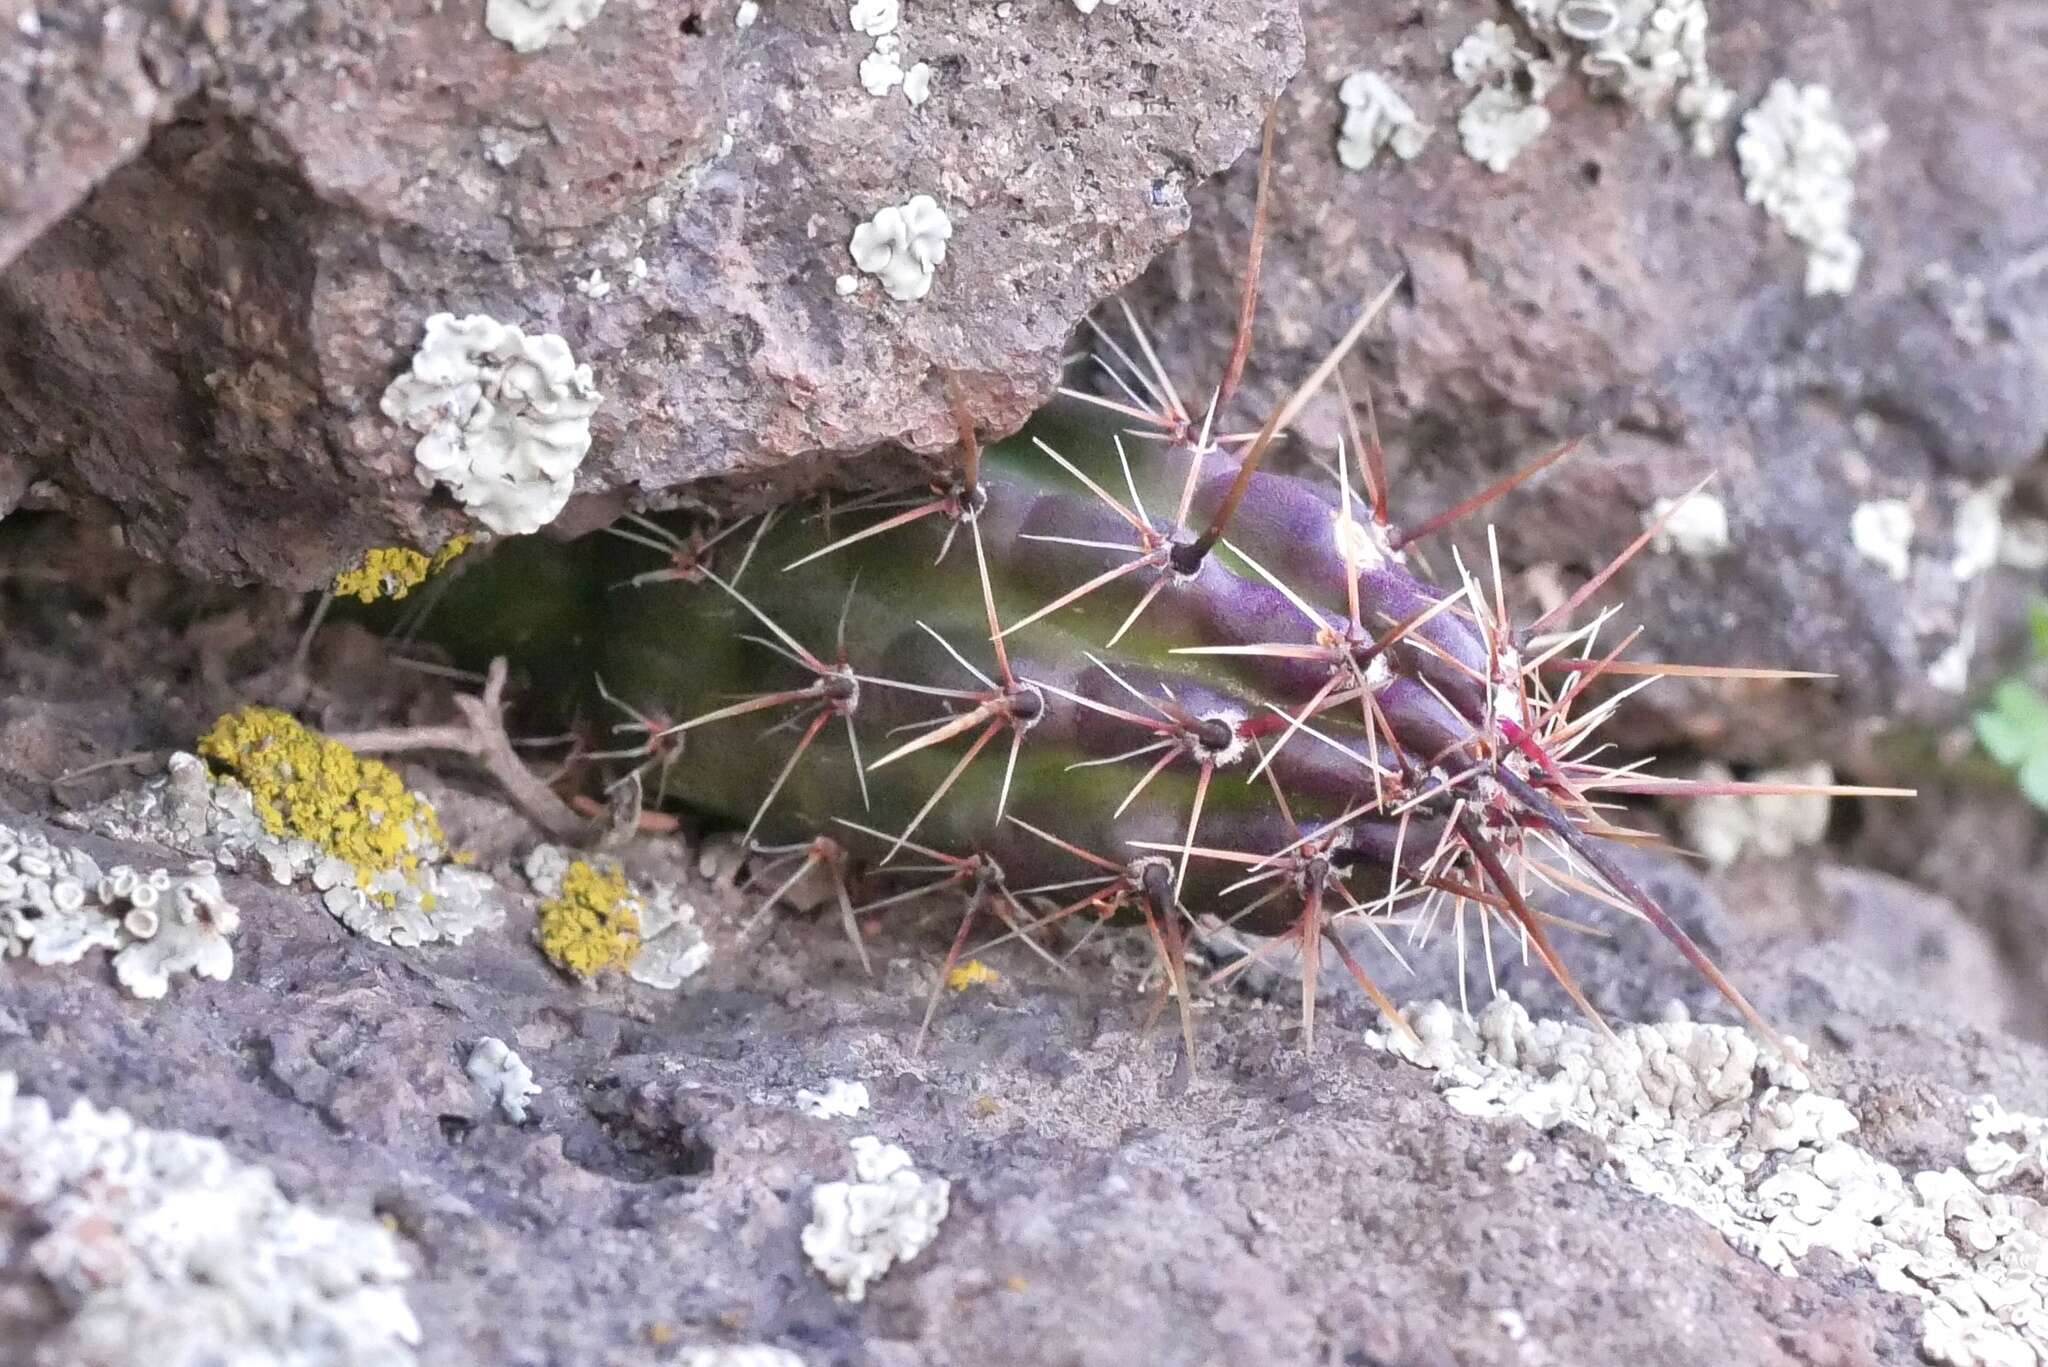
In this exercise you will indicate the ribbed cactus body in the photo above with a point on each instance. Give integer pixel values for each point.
(679, 650)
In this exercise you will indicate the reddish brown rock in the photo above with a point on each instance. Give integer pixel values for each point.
(199, 348)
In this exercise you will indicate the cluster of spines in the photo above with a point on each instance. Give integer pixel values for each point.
(1499, 832)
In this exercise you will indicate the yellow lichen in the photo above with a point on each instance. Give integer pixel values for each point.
(968, 974)
(592, 924)
(394, 571)
(303, 784)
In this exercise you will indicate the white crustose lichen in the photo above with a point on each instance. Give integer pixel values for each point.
(1376, 116)
(1697, 526)
(1799, 163)
(503, 418)
(1723, 827)
(1882, 532)
(887, 1215)
(163, 1248)
(1700, 1117)
(903, 246)
(528, 24)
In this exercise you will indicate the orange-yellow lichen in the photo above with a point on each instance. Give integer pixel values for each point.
(968, 974)
(592, 924)
(303, 784)
(394, 571)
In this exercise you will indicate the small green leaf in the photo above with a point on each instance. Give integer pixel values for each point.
(2034, 780)
(2015, 728)
(2037, 625)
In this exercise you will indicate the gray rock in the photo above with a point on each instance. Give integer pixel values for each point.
(1613, 283)
(198, 351)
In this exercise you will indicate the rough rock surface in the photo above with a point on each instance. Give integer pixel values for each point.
(1613, 283)
(198, 349)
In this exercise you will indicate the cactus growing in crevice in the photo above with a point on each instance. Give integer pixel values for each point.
(1146, 678)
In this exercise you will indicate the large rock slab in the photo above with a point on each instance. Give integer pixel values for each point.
(199, 349)
(1612, 283)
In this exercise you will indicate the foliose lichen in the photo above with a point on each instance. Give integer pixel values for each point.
(1773, 825)
(303, 784)
(371, 849)
(56, 906)
(887, 1215)
(1652, 54)
(1799, 163)
(503, 418)
(504, 1077)
(593, 918)
(904, 245)
(1376, 116)
(1697, 527)
(1702, 1118)
(592, 923)
(1882, 532)
(528, 24)
(167, 1251)
(838, 1100)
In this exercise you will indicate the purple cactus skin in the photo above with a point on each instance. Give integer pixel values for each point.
(1153, 681)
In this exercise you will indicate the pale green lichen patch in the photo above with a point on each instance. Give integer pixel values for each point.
(1702, 1118)
(160, 1247)
(56, 906)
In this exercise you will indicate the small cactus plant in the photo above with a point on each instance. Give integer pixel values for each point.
(1136, 678)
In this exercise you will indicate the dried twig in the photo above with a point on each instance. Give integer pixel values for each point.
(481, 735)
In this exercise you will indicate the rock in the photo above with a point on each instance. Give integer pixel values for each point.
(1612, 283)
(199, 350)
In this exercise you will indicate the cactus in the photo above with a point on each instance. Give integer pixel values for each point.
(1135, 677)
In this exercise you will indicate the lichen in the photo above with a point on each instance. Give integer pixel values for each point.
(1497, 125)
(56, 906)
(1700, 1117)
(839, 1100)
(1882, 532)
(503, 418)
(970, 974)
(301, 783)
(164, 1249)
(904, 245)
(592, 924)
(1723, 827)
(1651, 54)
(1376, 116)
(889, 1214)
(1697, 527)
(418, 898)
(528, 24)
(1799, 163)
(504, 1077)
(739, 1355)
(875, 18)
(391, 572)
(667, 944)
